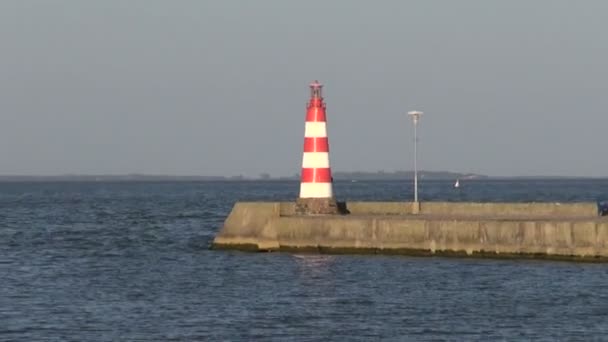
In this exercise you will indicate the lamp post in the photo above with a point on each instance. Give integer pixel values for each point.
(415, 117)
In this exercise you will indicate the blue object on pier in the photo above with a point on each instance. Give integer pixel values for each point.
(602, 208)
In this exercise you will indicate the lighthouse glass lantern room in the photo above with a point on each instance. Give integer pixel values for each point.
(316, 90)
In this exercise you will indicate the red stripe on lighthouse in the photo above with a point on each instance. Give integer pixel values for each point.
(315, 113)
(316, 144)
(316, 175)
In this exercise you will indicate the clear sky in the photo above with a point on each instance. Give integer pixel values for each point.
(200, 87)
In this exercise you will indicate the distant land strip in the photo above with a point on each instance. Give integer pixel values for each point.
(338, 176)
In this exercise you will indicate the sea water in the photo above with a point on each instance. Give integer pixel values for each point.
(131, 261)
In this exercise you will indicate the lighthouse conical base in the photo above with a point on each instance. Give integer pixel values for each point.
(317, 206)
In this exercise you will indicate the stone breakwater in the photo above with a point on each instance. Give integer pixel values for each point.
(570, 231)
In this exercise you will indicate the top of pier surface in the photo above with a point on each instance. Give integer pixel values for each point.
(463, 211)
(460, 217)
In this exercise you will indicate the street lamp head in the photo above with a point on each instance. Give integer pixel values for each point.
(415, 115)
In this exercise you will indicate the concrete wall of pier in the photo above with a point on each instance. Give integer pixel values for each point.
(482, 229)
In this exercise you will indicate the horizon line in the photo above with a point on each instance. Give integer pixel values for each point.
(266, 176)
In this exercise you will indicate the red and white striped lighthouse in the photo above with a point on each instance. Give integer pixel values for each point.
(316, 191)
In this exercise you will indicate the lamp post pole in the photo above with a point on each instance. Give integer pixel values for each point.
(415, 117)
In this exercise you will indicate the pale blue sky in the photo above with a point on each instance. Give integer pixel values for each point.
(219, 87)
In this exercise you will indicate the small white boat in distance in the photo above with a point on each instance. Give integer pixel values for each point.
(457, 184)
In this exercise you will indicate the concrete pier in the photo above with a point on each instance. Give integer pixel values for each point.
(569, 231)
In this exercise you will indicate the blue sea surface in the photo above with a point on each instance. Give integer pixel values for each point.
(131, 261)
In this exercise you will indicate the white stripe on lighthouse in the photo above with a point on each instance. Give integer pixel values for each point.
(316, 190)
(315, 130)
(315, 160)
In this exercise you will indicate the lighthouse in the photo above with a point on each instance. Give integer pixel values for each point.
(316, 189)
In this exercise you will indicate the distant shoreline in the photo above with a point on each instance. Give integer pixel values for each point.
(338, 176)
